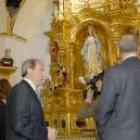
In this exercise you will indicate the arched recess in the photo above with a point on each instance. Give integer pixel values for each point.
(80, 32)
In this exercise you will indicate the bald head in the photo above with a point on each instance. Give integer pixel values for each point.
(128, 43)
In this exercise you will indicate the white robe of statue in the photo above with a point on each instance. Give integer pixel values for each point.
(91, 53)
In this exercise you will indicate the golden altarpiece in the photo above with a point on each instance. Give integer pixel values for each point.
(70, 20)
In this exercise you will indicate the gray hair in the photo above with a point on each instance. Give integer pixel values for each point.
(128, 43)
(30, 63)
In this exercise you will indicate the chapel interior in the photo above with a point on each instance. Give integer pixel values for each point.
(55, 31)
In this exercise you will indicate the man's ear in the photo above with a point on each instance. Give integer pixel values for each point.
(29, 70)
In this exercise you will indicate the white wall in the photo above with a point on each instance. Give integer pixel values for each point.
(32, 21)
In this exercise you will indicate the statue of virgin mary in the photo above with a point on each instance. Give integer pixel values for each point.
(91, 53)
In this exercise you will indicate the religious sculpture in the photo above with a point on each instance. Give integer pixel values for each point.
(57, 69)
(54, 50)
(128, 6)
(55, 9)
(91, 53)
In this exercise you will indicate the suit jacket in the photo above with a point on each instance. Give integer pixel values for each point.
(2, 120)
(24, 114)
(118, 114)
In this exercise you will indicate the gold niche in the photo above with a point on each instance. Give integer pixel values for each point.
(110, 19)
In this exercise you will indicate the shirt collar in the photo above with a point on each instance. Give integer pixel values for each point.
(30, 83)
(129, 55)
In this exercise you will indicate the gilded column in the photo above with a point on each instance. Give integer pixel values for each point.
(115, 36)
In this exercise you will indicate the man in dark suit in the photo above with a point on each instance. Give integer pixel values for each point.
(118, 114)
(24, 113)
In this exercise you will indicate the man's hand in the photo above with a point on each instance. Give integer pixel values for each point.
(52, 133)
(82, 80)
